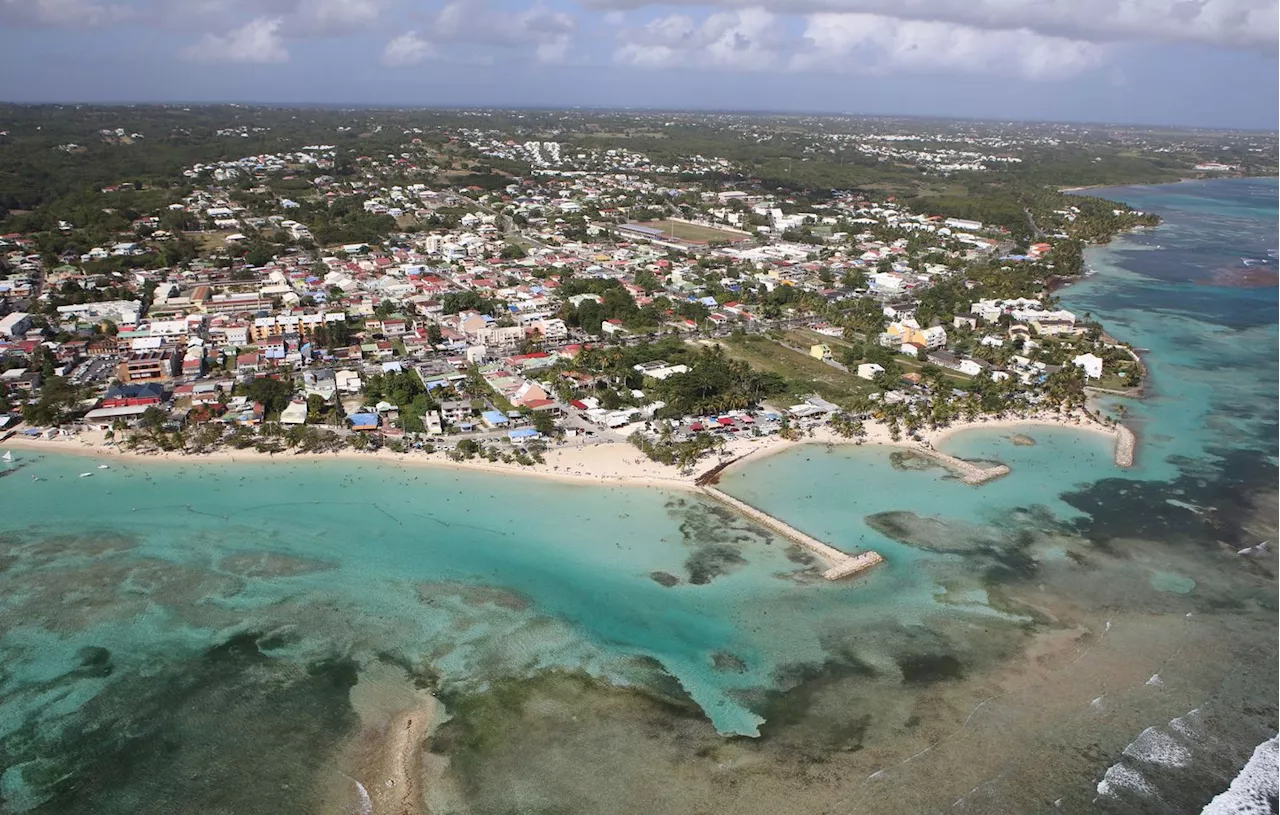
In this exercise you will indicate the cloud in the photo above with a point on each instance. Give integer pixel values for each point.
(868, 43)
(469, 21)
(1227, 23)
(546, 32)
(63, 13)
(323, 18)
(257, 41)
(747, 40)
(757, 40)
(299, 18)
(408, 49)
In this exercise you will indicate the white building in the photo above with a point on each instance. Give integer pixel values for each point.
(15, 325)
(120, 312)
(295, 413)
(1091, 364)
(347, 381)
(868, 370)
(935, 337)
(553, 331)
(504, 340)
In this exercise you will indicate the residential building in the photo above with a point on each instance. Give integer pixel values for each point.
(1090, 364)
(150, 393)
(148, 366)
(15, 325)
(501, 341)
(294, 413)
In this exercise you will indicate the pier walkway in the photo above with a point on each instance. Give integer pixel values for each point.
(841, 564)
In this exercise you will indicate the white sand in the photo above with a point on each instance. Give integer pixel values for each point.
(617, 462)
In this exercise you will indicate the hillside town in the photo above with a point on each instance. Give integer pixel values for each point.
(315, 299)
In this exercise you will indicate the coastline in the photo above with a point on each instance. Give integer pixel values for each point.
(1181, 180)
(613, 463)
(621, 464)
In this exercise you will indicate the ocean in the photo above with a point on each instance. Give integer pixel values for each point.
(195, 637)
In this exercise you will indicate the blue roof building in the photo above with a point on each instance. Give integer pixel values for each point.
(364, 421)
(495, 418)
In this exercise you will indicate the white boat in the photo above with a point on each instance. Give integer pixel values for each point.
(8, 455)
(85, 475)
(102, 466)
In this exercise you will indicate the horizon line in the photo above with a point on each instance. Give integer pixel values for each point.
(774, 112)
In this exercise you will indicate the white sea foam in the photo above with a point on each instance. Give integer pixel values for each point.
(1156, 747)
(366, 803)
(1188, 725)
(1253, 790)
(1119, 777)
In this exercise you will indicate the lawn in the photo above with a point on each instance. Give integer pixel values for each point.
(694, 233)
(210, 241)
(804, 338)
(805, 375)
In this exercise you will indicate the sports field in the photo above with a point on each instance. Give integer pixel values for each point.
(693, 233)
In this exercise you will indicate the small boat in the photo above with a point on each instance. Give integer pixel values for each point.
(102, 466)
(85, 475)
(8, 455)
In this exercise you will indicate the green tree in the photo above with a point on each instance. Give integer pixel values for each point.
(544, 422)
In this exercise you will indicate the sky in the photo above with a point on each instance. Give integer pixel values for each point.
(1200, 63)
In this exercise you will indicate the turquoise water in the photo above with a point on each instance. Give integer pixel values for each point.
(1205, 473)
(363, 539)
(168, 629)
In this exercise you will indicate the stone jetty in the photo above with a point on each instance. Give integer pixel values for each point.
(971, 473)
(841, 564)
(1126, 441)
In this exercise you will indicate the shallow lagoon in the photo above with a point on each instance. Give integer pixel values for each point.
(169, 630)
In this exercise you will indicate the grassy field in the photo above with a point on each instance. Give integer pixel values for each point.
(804, 338)
(694, 233)
(805, 375)
(209, 241)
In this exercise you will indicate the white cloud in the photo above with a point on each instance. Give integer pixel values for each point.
(333, 17)
(63, 13)
(469, 21)
(757, 40)
(547, 33)
(408, 49)
(299, 18)
(1226, 23)
(257, 41)
(852, 43)
(746, 40)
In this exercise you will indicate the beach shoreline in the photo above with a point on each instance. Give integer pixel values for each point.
(621, 464)
(614, 463)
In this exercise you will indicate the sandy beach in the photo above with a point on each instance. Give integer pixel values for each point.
(600, 463)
